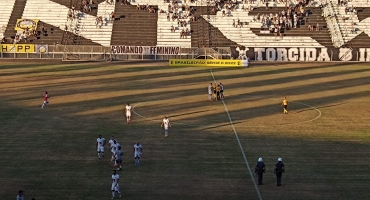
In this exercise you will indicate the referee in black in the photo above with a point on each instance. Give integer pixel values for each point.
(278, 170)
(259, 169)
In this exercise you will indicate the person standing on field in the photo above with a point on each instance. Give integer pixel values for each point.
(166, 124)
(111, 145)
(285, 105)
(259, 169)
(20, 195)
(215, 91)
(218, 94)
(210, 88)
(221, 91)
(118, 157)
(100, 142)
(138, 150)
(115, 184)
(128, 113)
(278, 170)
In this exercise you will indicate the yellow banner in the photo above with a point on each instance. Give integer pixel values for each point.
(17, 48)
(22, 24)
(206, 63)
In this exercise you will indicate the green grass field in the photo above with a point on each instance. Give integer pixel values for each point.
(50, 153)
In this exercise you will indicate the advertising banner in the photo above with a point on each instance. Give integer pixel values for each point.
(42, 48)
(145, 50)
(17, 48)
(208, 63)
(30, 24)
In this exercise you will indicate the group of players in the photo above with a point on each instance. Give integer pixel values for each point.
(215, 91)
(116, 157)
(117, 153)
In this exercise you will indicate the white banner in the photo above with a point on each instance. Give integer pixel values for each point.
(145, 50)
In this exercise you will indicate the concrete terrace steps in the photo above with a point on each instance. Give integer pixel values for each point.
(16, 14)
(67, 3)
(134, 27)
(87, 27)
(322, 36)
(6, 9)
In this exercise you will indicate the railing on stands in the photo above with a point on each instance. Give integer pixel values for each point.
(90, 53)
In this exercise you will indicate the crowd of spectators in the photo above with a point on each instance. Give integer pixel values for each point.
(183, 14)
(29, 34)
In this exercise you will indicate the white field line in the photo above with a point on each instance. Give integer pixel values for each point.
(240, 144)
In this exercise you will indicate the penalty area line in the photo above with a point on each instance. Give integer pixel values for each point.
(240, 144)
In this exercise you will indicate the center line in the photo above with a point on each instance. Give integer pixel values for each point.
(240, 144)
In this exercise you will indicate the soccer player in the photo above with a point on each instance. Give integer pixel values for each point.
(210, 87)
(20, 195)
(138, 150)
(100, 142)
(115, 184)
(128, 113)
(221, 91)
(218, 96)
(285, 105)
(118, 155)
(111, 142)
(46, 97)
(166, 124)
(114, 148)
(214, 91)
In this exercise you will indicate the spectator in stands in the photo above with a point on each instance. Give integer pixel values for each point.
(353, 29)
(310, 28)
(34, 34)
(317, 27)
(70, 15)
(187, 32)
(172, 29)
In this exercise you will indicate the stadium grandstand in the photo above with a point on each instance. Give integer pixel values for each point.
(294, 30)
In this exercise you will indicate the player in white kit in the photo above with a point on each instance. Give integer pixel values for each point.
(166, 125)
(100, 142)
(210, 89)
(114, 148)
(138, 150)
(115, 184)
(111, 141)
(118, 157)
(128, 110)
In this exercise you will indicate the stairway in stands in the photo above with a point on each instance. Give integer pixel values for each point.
(212, 37)
(16, 14)
(88, 28)
(6, 9)
(134, 27)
